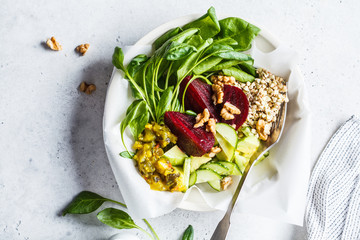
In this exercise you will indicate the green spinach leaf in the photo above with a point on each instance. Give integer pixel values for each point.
(224, 64)
(86, 202)
(191, 113)
(189, 233)
(116, 218)
(166, 36)
(208, 24)
(238, 74)
(164, 103)
(138, 124)
(177, 51)
(239, 30)
(136, 63)
(207, 64)
(118, 58)
(248, 68)
(233, 55)
(126, 154)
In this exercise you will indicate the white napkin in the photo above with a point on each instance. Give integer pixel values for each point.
(333, 210)
(276, 188)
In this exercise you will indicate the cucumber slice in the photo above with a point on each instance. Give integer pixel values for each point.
(227, 153)
(216, 167)
(196, 162)
(215, 185)
(192, 179)
(248, 145)
(241, 161)
(205, 175)
(175, 155)
(186, 168)
(227, 132)
(233, 168)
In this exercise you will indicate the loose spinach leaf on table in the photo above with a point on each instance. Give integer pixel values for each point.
(208, 24)
(189, 233)
(86, 202)
(116, 218)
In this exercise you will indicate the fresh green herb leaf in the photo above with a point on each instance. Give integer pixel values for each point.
(238, 74)
(224, 64)
(178, 51)
(217, 48)
(126, 154)
(248, 68)
(138, 124)
(233, 55)
(166, 36)
(86, 202)
(164, 103)
(207, 64)
(136, 63)
(239, 30)
(116, 218)
(191, 113)
(118, 59)
(208, 24)
(189, 233)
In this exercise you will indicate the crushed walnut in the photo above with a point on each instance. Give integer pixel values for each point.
(213, 152)
(83, 48)
(210, 127)
(202, 118)
(225, 182)
(53, 44)
(228, 111)
(265, 94)
(87, 88)
(218, 87)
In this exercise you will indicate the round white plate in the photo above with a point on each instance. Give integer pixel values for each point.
(264, 41)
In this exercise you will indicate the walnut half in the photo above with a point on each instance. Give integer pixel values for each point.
(228, 111)
(53, 44)
(202, 118)
(83, 48)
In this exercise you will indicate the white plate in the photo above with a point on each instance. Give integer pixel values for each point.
(264, 41)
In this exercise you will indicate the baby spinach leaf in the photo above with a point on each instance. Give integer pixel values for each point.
(136, 63)
(189, 233)
(248, 68)
(166, 36)
(238, 74)
(118, 58)
(178, 51)
(138, 124)
(224, 64)
(116, 218)
(192, 59)
(240, 30)
(233, 55)
(208, 24)
(132, 105)
(191, 113)
(164, 103)
(86, 202)
(216, 48)
(207, 64)
(226, 41)
(126, 154)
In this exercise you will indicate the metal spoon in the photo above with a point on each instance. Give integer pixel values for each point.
(276, 131)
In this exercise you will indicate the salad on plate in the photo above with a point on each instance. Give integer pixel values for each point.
(201, 108)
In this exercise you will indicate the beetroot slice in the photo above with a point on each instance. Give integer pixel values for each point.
(193, 141)
(236, 97)
(198, 97)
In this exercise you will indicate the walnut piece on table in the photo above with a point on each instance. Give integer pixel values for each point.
(83, 48)
(53, 44)
(87, 88)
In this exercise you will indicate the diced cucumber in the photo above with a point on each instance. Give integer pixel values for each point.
(196, 162)
(192, 179)
(233, 167)
(227, 132)
(216, 167)
(175, 155)
(186, 168)
(241, 161)
(248, 145)
(227, 153)
(215, 184)
(205, 175)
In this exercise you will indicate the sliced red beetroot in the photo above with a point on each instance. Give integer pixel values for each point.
(193, 141)
(236, 97)
(198, 96)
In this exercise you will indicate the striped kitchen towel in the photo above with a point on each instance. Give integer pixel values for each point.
(333, 210)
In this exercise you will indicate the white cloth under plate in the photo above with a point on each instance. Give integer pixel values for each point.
(276, 188)
(333, 210)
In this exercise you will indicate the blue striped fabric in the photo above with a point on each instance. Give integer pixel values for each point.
(333, 210)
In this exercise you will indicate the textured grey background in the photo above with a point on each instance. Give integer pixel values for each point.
(51, 144)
